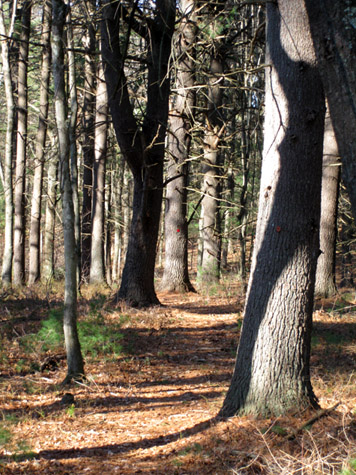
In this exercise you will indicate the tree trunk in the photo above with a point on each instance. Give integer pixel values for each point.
(272, 366)
(47, 269)
(175, 276)
(143, 149)
(97, 266)
(35, 225)
(88, 144)
(334, 34)
(73, 116)
(211, 225)
(75, 366)
(325, 284)
(21, 147)
(117, 185)
(6, 273)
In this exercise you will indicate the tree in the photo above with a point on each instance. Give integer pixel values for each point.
(142, 147)
(325, 284)
(75, 366)
(21, 146)
(73, 118)
(47, 264)
(88, 117)
(6, 273)
(209, 271)
(333, 31)
(175, 276)
(97, 265)
(272, 366)
(35, 224)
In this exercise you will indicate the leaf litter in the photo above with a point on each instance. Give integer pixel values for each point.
(152, 409)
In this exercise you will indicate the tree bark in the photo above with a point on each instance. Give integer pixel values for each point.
(73, 117)
(211, 189)
(97, 265)
(75, 366)
(35, 224)
(6, 273)
(272, 366)
(21, 147)
(325, 284)
(143, 148)
(333, 30)
(175, 276)
(88, 145)
(47, 267)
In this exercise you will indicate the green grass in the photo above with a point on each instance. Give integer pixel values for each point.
(96, 335)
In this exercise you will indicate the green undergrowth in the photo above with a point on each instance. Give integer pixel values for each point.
(97, 334)
(16, 449)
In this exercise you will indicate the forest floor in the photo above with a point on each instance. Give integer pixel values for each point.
(150, 407)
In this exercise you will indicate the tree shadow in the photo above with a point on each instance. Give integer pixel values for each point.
(113, 449)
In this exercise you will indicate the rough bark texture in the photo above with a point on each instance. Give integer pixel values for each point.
(325, 285)
(143, 148)
(334, 34)
(75, 366)
(21, 148)
(272, 366)
(34, 252)
(6, 273)
(175, 276)
(97, 266)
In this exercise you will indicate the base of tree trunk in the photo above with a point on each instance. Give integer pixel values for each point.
(137, 299)
(326, 290)
(181, 287)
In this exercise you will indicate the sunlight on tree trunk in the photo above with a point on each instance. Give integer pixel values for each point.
(272, 366)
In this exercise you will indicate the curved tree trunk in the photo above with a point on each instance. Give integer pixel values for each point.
(334, 34)
(175, 276)
(325, 284)
(35, 224)
(272, 366)
(143, 148)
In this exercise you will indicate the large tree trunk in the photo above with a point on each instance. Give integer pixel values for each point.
(325, 284)
(75, 366)
(35, 224)
(97, 265)
(334, 34)
(6, 272)
(21, 147)
(272, 366)
(175, 276)
(142, 148)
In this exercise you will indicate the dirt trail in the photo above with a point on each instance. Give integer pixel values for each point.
(135, 412)
(153, 410)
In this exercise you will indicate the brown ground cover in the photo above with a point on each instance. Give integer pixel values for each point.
(152, 409)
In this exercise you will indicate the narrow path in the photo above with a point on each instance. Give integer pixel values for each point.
(135, 414)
